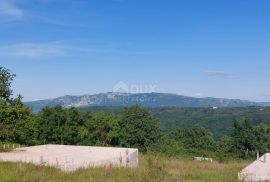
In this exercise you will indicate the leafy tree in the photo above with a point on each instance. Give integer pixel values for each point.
(71, 127)
(195, 138)
(103, 129)
(49, 123)
(6, 79)
(225, 145)
(13, 113)
(244, 139)
(28, 131)
(224, 148)
(58, 125)
(262, 134)
(139, 128)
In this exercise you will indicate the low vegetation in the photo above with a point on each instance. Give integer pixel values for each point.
(152, 168)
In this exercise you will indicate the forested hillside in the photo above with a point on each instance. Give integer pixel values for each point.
(218, 121)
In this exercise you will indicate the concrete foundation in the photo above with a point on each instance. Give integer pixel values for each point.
(259, 170)
(71, 158)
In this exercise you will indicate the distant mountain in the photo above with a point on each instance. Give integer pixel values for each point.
(144, 99)
(264, 104)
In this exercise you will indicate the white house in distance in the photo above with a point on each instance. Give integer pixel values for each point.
(71, 158)
(259, 170)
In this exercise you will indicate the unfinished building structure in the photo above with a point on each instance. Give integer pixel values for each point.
(259, 170)
(71, 158)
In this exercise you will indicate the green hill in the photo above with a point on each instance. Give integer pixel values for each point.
(218, 121)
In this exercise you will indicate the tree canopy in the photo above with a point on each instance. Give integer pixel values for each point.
(139, 128)
(13, 113)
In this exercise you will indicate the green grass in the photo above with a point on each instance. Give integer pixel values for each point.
(151, 169)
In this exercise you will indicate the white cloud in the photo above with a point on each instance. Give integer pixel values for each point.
(60, 49)
(221, 74)
(9, 11)
(33, 50)
(50, 49)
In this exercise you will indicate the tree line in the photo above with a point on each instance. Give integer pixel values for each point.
(218, 121)
(135, 127)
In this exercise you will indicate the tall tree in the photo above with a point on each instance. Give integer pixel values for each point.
(103, 129)
(197, 138)
(262, 134)
(13, 113)
(244, 139)
(6, 79)
(139, 128)
(58, 125)
(72, 124)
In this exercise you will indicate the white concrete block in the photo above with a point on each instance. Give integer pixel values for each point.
(259, 170)
(71, 158)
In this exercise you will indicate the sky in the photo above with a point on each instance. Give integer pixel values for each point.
(195, 48)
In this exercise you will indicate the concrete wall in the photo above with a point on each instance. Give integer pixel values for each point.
(70, 158)
(259, 170)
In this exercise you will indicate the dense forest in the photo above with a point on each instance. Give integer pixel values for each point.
(218, 121)
(135, 127)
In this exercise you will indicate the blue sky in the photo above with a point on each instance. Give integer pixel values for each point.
(192, 47)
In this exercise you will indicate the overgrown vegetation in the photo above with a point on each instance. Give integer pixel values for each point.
(152, 168)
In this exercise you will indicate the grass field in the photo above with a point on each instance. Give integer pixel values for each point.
(152, 168)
